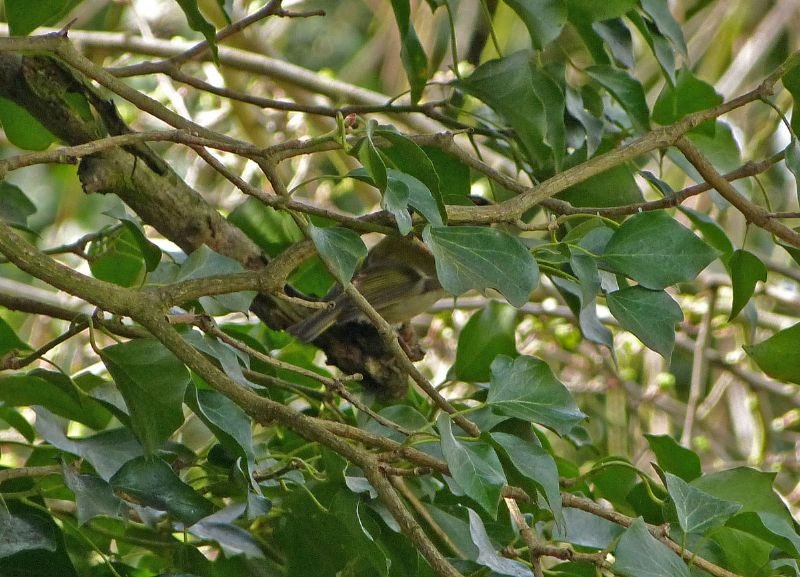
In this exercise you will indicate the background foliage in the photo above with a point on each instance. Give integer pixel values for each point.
(612, 392)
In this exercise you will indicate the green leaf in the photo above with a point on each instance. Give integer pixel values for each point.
(527, 389)
(24, 16)
(117, 258)
(639, 554)
(594, 11)
(474, 466)
(232, 539)
(650, 315)
(93, 496)
(543, 18)
(777, 356)
(198, 23)
(22, 128)
(54, 391)
(370, 157)
(473, 257)
(395, 201)
(151, 481)
(229, 423)
(412, 54)
(9, 340)
(746, 270)
(550, 92)
(697, 510)
(488, 333)
(613, 187)
(585, 269)
(626, 90)
(340, 248)
(15, 207)
(744, 554)
(451, 171)
(690, 94)
(792, 161)
(149, 251)
(712, 232)
(535, 463)
(661, 47)
(506, 85)
(272, 230)
(152, 382)
(404, 415)
(583, 528)
(674, 458)
(204, 262)
(487, 551)
(24, 532)
(791, 81)
(658, 10)
(656, 251)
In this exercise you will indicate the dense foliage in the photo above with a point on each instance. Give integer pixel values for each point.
(608, 190)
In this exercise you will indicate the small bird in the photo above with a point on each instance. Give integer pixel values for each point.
(398, 278)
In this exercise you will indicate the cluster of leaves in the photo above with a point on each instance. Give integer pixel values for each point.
(164, 474)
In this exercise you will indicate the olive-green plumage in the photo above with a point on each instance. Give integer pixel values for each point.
(398, 278)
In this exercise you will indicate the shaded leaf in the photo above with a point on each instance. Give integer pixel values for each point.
(24, 16)
(15, 207)
(690, 94)
(583, 528)
(474, 257)
(198, 23)
(626, 90)
(792, 160)
(659, 11)
(487, 552)
(527, 389)
(232, 539)
(593, 10)
(93, 496)
(746, 270)
(22, 128)
(371, 158)
(712, 232)
(674, 458)
(24, 532)
(650, 315)
(543, 18)
(152, 382)
(655, 237)
(474, 466)
(697, 510)
(412, 55)
(639, 554)
(229, 423)
(488, 333)
(204, 262)
(152, 482)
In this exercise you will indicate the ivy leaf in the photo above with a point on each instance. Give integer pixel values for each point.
(412, 54)
(656, 237)
(746, 270)
(487, 552)
(395, 201)
(792, 160)
(204, 262)
(527, 389)
(535, 463)
(15, 207)
(777, 356)
(152, 382)
(593, 11)
(24, 16)
(488, 333)
(93, 496)
(674, 458)
(340, 248)
(117, 258)
(649, 315)
(474, 466)
(229, 423)
(543, 18)
(23, 532)
(712, 232)
(639, 554)
(626, 90)
(22, 128)
(697, 510)
(658, 10)
(690, 94)
(198, 23)
(371, 158)
(152, 482)
(475, 257)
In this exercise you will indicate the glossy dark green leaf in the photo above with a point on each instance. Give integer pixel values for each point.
(151, 481)
(395, 201)
(712, 232)
(585, 270)
(340, 248)
(152, 382)
(690, 94)
(656, 251)
(93, 496)
(28, 527)
(149, 251)
(15, 207)
(11, 417)
(229, 423)
(480, 258)
(412, 55)
(746, 270)
(697, 510)
(234, 540)
(474, 466)
(791, 81)
(543, 18)
(792, 160)
(23, 533)
(613, 187)
(527, 389)
(627, 91)
(550, 91)
(639, 554)
(371, 158)
(777, 356)
(487, 551)
(592, 126)
(273, 230)
(205, 262)
(488, 333)
(661, 47)
(56, 392)
(674, 458)
(617, 38)
(451, 171)
(506, 85)
(535, 463)
(199, 23)
(648, 314)
(404, 415)
(10, 341)
(744, 554)
(583, 528)
(23, 129)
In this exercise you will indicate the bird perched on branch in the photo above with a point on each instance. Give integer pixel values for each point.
(398, 278)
